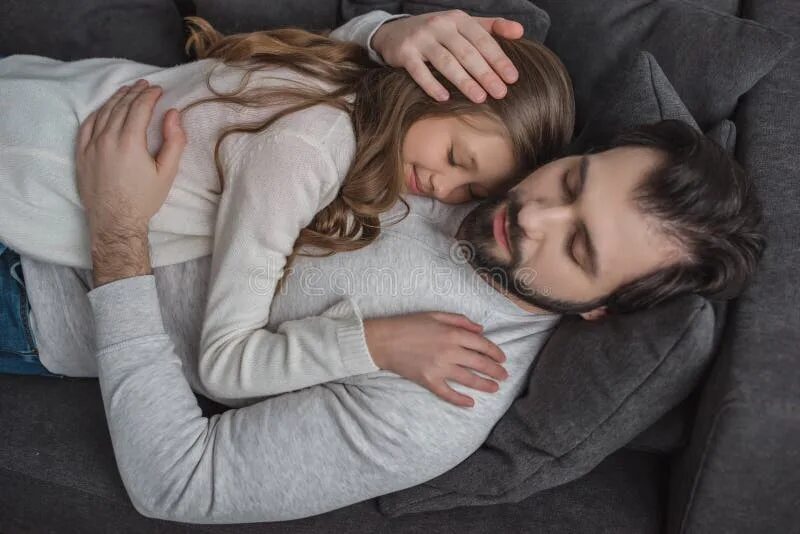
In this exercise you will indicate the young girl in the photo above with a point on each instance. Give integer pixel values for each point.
(296, 143)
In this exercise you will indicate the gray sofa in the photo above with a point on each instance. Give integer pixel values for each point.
(736, 469)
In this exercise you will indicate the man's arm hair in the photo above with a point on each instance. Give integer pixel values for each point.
(118, 253)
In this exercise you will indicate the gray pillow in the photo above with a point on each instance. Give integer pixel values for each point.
(711, 58)
(148, 31)
(649, 97)
(595, 386)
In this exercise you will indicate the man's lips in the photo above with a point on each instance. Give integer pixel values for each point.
(500, 227)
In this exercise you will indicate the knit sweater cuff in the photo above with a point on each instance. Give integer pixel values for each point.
(352, 340)
(125, 309)
(362, 29)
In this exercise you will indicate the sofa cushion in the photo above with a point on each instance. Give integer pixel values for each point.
(639, 94)
(595, 385)
(148, 31)
(57, 474)
(712, 58)
(237, 16)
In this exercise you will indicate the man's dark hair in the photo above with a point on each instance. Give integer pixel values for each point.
(702, 197)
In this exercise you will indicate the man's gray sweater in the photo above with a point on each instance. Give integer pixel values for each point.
(300, 453)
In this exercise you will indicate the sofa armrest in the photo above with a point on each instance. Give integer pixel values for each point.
(741, 470)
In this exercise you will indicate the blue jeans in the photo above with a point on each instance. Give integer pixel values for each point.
(18, 352)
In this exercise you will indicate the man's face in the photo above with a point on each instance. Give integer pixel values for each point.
(570, 234)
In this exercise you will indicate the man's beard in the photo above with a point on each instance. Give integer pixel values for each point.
(477, 234)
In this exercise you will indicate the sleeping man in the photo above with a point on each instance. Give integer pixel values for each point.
(661, 212)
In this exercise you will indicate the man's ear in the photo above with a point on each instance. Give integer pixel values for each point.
(597, 313)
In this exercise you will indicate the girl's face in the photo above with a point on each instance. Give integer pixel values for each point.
(456, 159)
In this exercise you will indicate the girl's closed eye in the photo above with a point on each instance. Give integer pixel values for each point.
(451, 157)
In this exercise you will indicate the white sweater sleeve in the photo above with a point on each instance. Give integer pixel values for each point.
(361, 29)
(275, 184)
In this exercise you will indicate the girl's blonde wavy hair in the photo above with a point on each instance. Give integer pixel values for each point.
(537, 113)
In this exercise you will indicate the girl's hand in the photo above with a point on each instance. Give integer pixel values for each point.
(459, 46)
(429, 347)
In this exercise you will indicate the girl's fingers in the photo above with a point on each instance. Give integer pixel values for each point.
(481, 363)
(422, 75)
(442, 390)
(446, 63)
(480, 36)
(461, 321)
(481, 344)
(469, 379)
(105, 110)
(473, 47)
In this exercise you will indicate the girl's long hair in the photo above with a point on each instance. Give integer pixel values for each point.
(383, 102)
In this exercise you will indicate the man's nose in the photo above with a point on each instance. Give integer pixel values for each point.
(537, 219)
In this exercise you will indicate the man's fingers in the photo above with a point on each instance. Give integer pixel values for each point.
(140, 112)
(475, 49)
(105, 110)
(446, 63)
(85, 131)
(480, 36)
(119, 114)
(422, 75)
(174, 142)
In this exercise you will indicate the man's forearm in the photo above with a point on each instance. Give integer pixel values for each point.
(121, 251)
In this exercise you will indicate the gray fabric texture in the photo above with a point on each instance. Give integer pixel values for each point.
(580, 406)
(710, 57)
(640, 93)
(251, 15)
(148, 31)
(741, 472)
(596, 386)
(59, 459)
(235, 16)
(730, 7)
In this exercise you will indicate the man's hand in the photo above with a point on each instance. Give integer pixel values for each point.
(459, 46)
(120, 184)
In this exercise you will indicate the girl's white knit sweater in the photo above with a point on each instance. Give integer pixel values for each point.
(274, 183)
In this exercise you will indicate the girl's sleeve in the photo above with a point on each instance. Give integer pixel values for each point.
(274, 185)
(361, 29)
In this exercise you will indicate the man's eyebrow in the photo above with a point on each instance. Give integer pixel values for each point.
(591, 251)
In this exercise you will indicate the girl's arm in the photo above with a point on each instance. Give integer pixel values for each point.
(456, 44)
(274, 184)
(362, 29)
